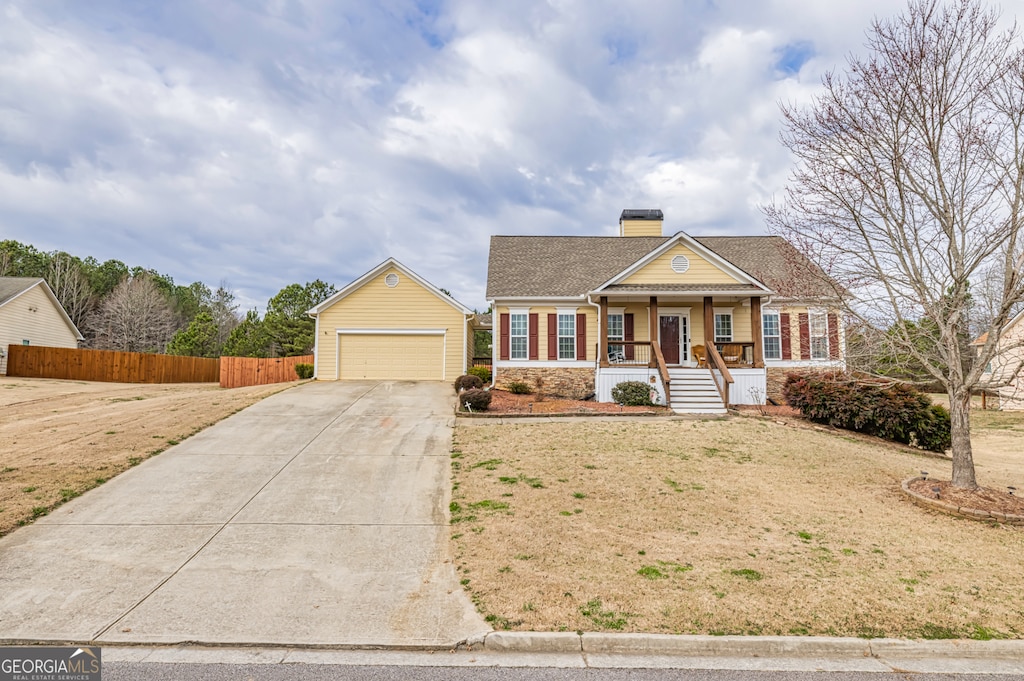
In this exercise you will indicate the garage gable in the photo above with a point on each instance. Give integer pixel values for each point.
(391, 324)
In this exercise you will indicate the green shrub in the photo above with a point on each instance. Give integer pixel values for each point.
(304, 370)
(475, 399)
(896, 412)
(632, 394)
(467, 382)
(483, 372)
(519, 388)
(933, 430)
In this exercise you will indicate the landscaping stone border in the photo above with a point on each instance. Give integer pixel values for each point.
(961, 511)
(539, 415)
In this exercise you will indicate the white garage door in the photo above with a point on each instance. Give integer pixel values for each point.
(392, 357)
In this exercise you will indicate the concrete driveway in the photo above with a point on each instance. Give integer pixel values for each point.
(316, 517)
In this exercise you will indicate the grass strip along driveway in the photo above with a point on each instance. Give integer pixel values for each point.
(59, 439)
(735, 526)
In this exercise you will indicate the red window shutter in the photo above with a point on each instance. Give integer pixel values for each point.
(833, 336)
(505, 328)
(627, 333)
(784, 336)
(805, 337)
(534, 329)
(552, 336)
(581, 336)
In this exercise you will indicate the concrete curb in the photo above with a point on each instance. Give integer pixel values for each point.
(951, 648)
(741, 646)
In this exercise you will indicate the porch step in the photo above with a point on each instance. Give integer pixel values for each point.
(693, 391)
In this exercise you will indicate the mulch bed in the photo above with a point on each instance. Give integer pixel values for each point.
(982, 499)
(769, 409)
(504, 402)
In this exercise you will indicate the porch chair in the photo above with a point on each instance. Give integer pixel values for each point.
(731, 353)
(700, 355)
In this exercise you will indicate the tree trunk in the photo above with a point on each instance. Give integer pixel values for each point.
(960, 433)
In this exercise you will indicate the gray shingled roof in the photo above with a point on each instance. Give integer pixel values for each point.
(12, 286)
(559, 266)
(566, 266)
(774, 262)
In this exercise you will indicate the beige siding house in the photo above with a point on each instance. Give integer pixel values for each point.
(30, 314)
(1006, 371)
(706, 321)
(391, 324)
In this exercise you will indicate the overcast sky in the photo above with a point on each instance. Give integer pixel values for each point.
(268, 142)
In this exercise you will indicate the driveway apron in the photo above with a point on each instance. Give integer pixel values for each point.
(315, 517)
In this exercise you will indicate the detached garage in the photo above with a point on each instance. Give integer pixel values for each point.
(391, 324)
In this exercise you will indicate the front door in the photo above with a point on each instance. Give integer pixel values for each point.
(669, 338)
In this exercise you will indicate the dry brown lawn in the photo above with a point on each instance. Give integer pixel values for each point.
(61, 438)
(734, 526)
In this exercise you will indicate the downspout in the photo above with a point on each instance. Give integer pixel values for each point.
(469, 336)
(316, 344)
(597, 354)
(494, 359)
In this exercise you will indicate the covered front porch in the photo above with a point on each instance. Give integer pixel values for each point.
(702, 353)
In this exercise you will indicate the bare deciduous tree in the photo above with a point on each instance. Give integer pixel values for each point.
(909, 189)
(135, 317)
(224, 311)
(71, 286)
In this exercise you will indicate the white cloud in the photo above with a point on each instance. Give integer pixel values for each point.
(312, 139)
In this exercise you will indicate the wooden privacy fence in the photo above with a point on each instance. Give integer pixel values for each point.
(35, 361)
(238, 372)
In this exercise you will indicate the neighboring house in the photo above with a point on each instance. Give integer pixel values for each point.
(391, 324)
(579, 315)
(30, 314)
(1006, 370)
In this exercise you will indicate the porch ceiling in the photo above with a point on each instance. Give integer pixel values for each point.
(682, 288)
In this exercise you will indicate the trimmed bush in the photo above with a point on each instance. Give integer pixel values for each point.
(467, 382)
(483, 372)
(304, 370)
(475, 399)
(519, 388)
(632, 394)
(933, 431)
(896, 412)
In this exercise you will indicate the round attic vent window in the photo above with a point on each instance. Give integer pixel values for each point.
(391, 280)
(680, 264)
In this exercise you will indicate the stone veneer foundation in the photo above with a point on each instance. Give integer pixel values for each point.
(775, 378)
(574, 383)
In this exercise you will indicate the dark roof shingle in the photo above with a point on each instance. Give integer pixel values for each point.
(559, 266)
(12, 286)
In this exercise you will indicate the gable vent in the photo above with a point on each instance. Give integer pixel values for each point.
(391, 280)
(680, 264)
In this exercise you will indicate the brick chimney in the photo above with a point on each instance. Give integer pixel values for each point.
(640, 222)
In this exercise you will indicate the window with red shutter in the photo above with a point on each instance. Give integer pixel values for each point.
(504, 329)
(805, 336)
(785, 334)
(552, 336)
(534, 330)
(581, 336)
(833, 336)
